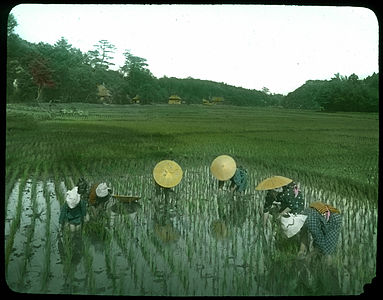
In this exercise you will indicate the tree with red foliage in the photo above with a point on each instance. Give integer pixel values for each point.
(42, 75)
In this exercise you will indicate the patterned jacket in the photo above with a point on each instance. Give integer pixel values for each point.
(240, 179)
(325, 232)
(289, 197)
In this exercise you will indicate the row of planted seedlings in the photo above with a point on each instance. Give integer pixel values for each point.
(198, 205)
(119, 238)
(243, 216)
(63, 263)
(35, 235)
(99, 260)
(198, 211)
(158, 243)
(13, 207)
(47, 193)
(133, 234)
(15, 215)
(83, 254)
(196, 200)
(358, 243)
(127, 228)
(163, 235)
(24, 240)
(71, 258)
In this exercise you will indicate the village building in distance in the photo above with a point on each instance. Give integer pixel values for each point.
(174, 99)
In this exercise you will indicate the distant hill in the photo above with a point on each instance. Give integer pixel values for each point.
(341, 93)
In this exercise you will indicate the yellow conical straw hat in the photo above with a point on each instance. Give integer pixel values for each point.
(273, 183)
(223, 167)
(167, 173)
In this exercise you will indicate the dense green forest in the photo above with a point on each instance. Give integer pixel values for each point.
(43, 72)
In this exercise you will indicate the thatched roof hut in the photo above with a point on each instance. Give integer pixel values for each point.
(103, 93)
(174, 99)
(206, 102)
(136, 99)
(217, 100)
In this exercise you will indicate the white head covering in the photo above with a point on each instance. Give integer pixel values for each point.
(102, 190)
(72, 197)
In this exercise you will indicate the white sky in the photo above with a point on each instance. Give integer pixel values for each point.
(252, 46)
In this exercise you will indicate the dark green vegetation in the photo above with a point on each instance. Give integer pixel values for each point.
(62, 73)
(338, 94)
(199, 241)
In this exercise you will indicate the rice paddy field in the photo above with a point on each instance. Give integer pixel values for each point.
(196, 239)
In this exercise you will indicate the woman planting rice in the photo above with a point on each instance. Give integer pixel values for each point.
(285, 201)
(323, 223)
(99, 199)
(225, 168)
(282, 195)
(167, 174)
(73, 212)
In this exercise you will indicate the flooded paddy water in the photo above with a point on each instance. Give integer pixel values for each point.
(195, 240)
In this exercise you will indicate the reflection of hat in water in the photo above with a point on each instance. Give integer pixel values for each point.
(273, 183)
(166, 233)
(219, 229)
(102, 190)
(167, 173)
(223, 167)
(72, 197)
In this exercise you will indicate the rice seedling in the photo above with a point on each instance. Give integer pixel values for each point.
(14, 227)
(46, 271)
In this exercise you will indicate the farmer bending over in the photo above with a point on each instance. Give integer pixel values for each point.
(73, 212)
(224, 168)
(167, 174)
(285, 201)
(99, 195)
(324, 223)
(283, 195)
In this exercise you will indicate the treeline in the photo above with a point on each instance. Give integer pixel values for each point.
(341, 93)
(62, 73)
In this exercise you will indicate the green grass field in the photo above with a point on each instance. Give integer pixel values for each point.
(333, 155)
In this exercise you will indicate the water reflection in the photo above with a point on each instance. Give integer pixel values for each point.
(165, 213)
(219, 229)
(125, 208)
(233, 211)
(70, 246)
(71, 251)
